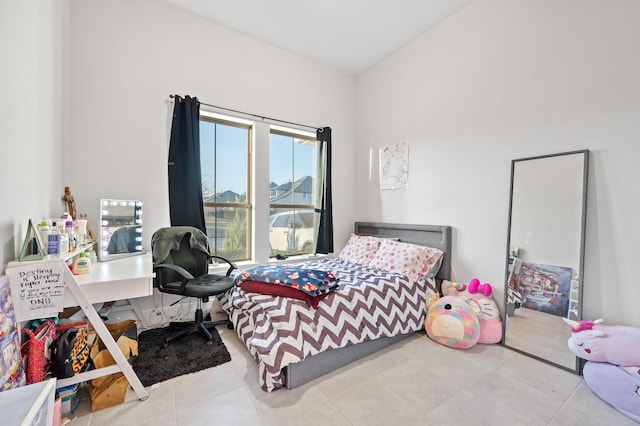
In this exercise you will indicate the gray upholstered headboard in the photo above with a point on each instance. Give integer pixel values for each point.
(425, 235)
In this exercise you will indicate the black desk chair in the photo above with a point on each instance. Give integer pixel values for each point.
(181, 263)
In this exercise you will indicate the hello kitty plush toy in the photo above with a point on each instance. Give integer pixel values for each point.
(479, 297)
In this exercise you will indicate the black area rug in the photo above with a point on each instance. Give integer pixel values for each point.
(186, 355)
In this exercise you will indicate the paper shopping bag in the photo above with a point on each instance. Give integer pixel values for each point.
(111, 392)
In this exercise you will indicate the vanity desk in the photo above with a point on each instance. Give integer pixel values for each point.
(120, 279)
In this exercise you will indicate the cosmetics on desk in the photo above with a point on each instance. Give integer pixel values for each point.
(81, 264)
(44, 230)
(60, 237)
(71, 234)
(57, 242)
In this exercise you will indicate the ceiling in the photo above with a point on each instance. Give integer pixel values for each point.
(348, 35)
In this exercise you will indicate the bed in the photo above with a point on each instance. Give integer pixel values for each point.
(374, 307)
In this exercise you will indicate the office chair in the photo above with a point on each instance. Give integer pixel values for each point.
(181, 262)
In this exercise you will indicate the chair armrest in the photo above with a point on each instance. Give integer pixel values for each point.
(232, 265)
(176, 268)
(179, 269)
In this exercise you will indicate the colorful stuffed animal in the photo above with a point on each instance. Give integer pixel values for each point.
(451, 322)
(595, 341)
(479, 297)
(613, 368)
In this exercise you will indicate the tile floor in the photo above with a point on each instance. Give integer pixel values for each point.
(414, 382)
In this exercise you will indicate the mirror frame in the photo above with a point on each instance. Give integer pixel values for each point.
(104, 237)
(578, 362)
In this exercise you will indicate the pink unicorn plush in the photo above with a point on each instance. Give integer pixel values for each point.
(613, 370)
(615, 344)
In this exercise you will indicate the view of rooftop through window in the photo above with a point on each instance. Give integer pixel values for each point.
(223, 150)
(291, 225)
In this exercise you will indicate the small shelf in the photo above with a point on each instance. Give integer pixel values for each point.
(65, 257)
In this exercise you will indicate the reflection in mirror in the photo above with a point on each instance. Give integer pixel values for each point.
(120, 228)
(545, 259)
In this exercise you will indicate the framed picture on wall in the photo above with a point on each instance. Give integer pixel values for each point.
(394, 166)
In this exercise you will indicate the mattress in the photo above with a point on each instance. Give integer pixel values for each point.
(367, 305)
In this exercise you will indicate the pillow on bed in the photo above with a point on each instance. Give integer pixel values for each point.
(278, 290)
(360, 249)
(411, 260)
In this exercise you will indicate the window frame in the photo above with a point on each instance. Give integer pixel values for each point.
(275, 208)
(248, 204)
(259, 178)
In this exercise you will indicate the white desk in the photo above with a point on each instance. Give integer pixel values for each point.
(119, 279)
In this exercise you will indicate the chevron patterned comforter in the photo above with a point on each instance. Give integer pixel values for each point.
(369, 304)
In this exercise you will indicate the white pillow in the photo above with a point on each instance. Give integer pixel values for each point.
(411, 260)
(360, 249)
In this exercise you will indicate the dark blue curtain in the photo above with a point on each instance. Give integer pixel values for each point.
(185, 181)
(324, 241)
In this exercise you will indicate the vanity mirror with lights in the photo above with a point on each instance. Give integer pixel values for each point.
(545, 255)
(120, 232)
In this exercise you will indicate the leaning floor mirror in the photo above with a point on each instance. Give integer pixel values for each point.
(545, 255)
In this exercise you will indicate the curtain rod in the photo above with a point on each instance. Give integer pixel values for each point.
(254, 115)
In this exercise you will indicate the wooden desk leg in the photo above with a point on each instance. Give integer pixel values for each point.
(107, 339)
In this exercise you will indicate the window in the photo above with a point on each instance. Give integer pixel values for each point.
(225, 150)
(256, 209)
(292, 192)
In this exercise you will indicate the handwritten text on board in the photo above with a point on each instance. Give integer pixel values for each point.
(37, 290)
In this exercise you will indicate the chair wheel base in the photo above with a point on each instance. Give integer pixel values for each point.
(204, 328)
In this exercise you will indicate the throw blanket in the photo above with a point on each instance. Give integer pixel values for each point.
(369, 304)
(310, 281)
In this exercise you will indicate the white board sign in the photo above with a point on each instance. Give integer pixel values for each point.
(37, 290)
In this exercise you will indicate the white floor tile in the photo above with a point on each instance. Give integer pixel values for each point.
(586, 409)
(159, 406)
(414, 382)
(233, 408)
(551, 380)
(372, 403)
(206, 384)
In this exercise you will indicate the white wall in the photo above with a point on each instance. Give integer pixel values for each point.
(509, 79)
(499, 80)
(127, 57)
(33, 64)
